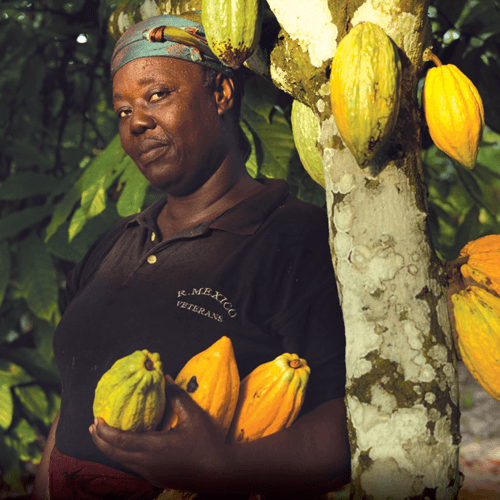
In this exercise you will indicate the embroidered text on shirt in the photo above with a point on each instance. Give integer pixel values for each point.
(213, 294)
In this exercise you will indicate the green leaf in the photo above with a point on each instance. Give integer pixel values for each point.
(5, 267)
(63, 209)
(44, 334)
(34, 400)
(25, 432)
(12, 374)
(13, 224)
(260, 96)
(59, 245)
(25, 185)
(77, 223)
(276, 139)
(37, 278)
(30, 360)
(13, 478)
(100, 174)
(132, 197)
(6, 407)
(252, 164)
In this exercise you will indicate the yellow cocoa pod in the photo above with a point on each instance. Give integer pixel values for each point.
(454, 112)
(131, 394)
(211, 378)
(477, 320)
(484, 261)
(305, 127)
(365, 85)
(232, 28)
(270, 398)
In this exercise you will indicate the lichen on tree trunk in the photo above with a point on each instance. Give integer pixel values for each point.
(402, 384)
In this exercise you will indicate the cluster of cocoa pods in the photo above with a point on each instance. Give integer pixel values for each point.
(474, 307)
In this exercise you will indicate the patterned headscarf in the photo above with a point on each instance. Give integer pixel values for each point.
(167, 36)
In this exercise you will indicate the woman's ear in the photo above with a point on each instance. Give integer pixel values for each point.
(224, 93)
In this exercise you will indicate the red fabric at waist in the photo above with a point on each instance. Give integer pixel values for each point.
(70, 479)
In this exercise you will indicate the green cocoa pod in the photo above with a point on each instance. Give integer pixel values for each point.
(232, 28)
(131, 394)
(365, 85)
(305, 127)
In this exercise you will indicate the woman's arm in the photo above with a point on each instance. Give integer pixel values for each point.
(42, 475)
(310, 457)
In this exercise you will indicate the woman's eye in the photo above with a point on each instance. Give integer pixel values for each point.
(122, 113)
(157, 95)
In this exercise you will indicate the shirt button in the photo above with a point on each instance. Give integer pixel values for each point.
(152, 259)
(153, 236)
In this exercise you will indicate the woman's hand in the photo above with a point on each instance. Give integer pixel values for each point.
(192, 452)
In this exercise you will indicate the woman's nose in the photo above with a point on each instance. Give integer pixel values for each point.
(141, 121)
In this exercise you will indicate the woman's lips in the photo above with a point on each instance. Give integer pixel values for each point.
(153, 154)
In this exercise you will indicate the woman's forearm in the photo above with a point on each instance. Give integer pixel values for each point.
(42, 475)
(310, 457)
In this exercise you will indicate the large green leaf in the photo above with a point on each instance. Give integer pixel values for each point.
(12, 374)
(26, 184)
(13, 224)
(6, 406)
(276, 141)
(5, 268)
(34, 400)
(135, 186)
(38, 366)
(100, 174)
(37, 278)
(63, 209)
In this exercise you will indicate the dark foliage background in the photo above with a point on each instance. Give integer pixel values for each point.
(64, 179)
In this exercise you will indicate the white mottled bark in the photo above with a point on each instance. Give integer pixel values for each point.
(402, 385)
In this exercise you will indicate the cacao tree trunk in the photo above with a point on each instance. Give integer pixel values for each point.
(402, 383)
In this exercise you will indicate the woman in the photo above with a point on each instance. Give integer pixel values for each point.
(219, 254)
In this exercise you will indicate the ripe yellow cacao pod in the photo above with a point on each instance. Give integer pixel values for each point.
(365, 85)
(270, 398)
(305, 127)
(454, 112)
(211, 378)
(477, 321)
(232, 28)
(131, 394)
(483, 264)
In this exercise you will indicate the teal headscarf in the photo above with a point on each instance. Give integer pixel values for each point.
(167, 36)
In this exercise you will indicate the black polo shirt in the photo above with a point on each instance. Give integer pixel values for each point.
(260, 274)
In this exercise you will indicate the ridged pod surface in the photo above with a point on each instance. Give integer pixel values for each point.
(477, 321)
(131, 394)
(232, 28)
(484, 261)
(211, 378)
(454, 112)
(365, 86)
(306, 130)
(270, 399)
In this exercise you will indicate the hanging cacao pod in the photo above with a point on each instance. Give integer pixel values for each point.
(365, 85)
(483, 264)
(477, 321)
(454, 112)
(232, 28)
(131, 394)
(305, 128)
(270, 398)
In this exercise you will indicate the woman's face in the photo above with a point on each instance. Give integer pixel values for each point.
(169, 122)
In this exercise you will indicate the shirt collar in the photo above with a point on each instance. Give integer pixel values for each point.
(244, 218)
